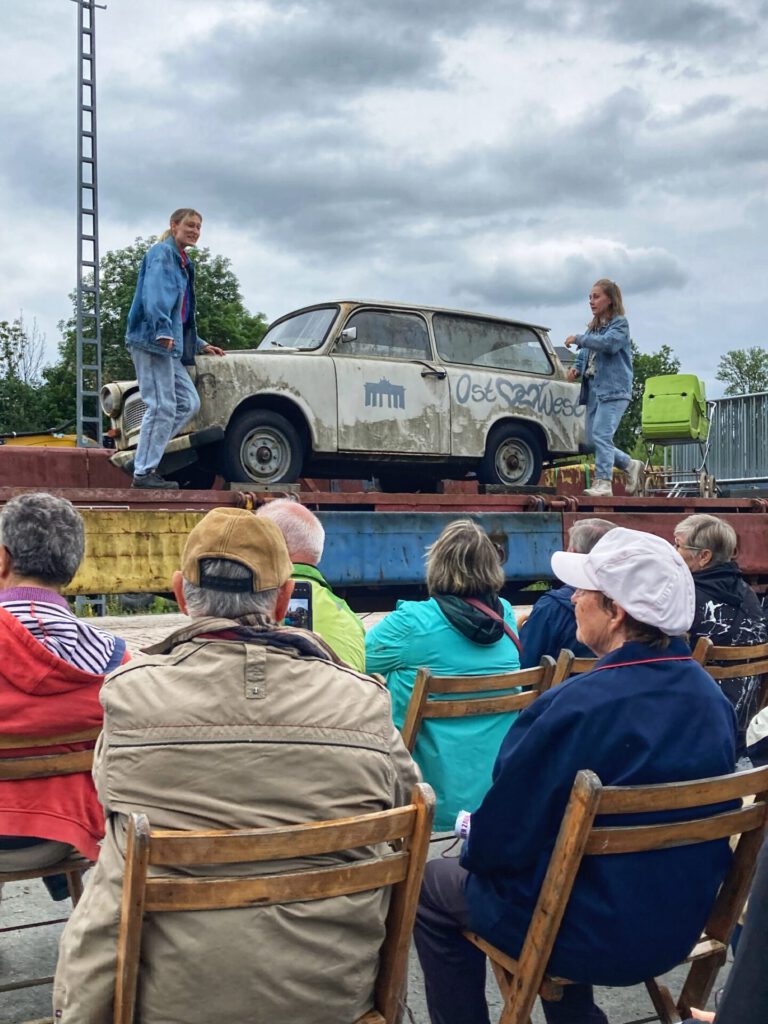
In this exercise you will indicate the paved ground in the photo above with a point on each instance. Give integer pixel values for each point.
(33, 952)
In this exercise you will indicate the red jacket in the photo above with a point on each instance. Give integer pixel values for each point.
(41, 694)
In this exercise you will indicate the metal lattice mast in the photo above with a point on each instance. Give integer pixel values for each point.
(88, 320)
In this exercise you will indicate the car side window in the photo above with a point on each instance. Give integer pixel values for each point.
(490, 343)
(386, 334)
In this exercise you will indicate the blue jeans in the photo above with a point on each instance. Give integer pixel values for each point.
(171, 400)
(603, 418)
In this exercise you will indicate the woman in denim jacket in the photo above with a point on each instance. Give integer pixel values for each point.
(604, 364)
(162, 338)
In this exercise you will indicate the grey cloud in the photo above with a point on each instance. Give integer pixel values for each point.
(527, 281)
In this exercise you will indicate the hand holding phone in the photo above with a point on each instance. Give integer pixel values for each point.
(299, 612)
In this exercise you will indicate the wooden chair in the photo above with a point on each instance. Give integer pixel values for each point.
(568, 664)
(461, 703)
(733, 662)
(41, 766)
(409, 827)
(522, 979)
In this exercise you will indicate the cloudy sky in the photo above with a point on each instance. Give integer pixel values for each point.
(497, 155)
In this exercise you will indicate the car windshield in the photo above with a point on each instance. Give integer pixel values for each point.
(303, 332)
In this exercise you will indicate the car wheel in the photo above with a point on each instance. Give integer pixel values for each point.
(512, 456)
(263, 447)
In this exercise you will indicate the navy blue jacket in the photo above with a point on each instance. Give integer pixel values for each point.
(642, 716)
(550, 627)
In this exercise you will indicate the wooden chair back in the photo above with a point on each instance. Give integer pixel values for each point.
(457, 695)
(568, 664)
(407, 827)
(32, 765)
(41, 766)
(735, 662)
(522, 979)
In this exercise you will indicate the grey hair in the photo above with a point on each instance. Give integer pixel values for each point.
(704, 531)
(585, 533)
(464, 561)
(225, 604)
(44, 536)
(302, 530)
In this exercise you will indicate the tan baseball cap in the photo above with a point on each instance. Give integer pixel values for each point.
(238, 536)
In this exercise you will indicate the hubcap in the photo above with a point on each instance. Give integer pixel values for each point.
(265, 455)
(514, 461)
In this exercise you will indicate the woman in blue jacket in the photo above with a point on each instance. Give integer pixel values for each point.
(162, 338)
(604, 364)
(452, 638)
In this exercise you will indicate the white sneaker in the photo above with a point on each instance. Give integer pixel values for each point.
(600, 489)
(635, 474)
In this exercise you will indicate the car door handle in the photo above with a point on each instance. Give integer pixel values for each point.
(432, 372)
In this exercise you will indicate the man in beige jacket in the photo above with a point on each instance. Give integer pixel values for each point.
(236, 722)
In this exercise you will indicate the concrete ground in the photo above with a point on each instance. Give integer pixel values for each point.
(31, 952)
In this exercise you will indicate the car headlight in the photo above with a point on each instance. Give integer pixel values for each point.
(111, 399)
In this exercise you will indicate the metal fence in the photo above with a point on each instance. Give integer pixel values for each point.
(738, 449)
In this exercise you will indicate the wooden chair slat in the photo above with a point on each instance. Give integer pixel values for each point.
(750, 652)
(10, 741)
(73, 863)
(45, 765)
(282, 843)
(679, 795)
(568, 664)
(734, 671)
(661, 837)
(293, 887)
(499, 681)
(478, 706)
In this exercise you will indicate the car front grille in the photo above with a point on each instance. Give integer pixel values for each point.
(133, 413)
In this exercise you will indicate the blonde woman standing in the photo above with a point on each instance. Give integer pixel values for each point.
(604, 364)
(162, 338)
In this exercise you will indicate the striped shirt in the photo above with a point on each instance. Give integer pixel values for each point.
(48, 618)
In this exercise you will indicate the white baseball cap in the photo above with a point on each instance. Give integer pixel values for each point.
(642, 573)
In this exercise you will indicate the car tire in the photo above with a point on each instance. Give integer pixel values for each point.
(512, 456)
(262, 447)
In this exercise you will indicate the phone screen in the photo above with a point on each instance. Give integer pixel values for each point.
(299, 612)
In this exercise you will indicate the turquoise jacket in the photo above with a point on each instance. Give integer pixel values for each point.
(456, 757)
(333, 619)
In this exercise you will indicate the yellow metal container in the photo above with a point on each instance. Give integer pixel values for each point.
(131, 551)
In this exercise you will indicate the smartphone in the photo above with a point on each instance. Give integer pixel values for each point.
(300, 606)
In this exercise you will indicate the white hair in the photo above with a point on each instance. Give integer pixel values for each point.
(226, 604)
(303, 532)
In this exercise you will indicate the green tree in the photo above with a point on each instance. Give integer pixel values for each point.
(222, 319)
(645, 365)
(21, 355)
(744, 370)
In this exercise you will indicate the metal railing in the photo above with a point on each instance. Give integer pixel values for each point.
(738, 432)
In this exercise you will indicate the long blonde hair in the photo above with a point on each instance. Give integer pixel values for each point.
(177, 217)
(613, 292)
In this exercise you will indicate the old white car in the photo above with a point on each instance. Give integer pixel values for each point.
(408, 394)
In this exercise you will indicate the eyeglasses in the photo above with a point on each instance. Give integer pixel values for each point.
(690, 547)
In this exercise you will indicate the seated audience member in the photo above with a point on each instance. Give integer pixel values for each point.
(52, 665)
(727, 609)
(451, 637)
(236, 722)
(332, 618)
(551, 626)
(647, 713)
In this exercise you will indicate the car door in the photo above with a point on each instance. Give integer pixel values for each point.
(391, 395)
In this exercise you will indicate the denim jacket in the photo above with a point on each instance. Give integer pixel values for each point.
(613, 359)
(156, 308)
